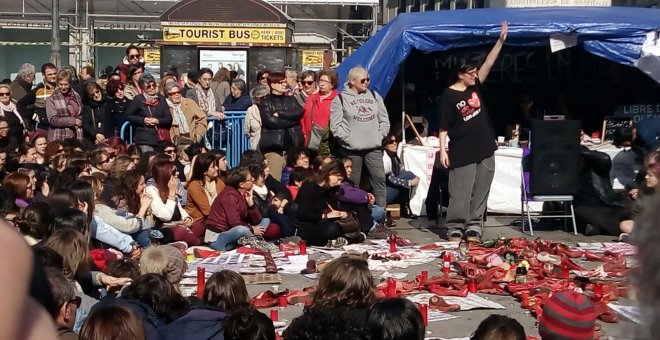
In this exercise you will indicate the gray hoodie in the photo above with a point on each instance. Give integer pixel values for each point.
(361, 121)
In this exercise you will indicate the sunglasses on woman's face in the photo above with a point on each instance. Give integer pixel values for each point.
(307, 83)
(150, 86)
(173, 93)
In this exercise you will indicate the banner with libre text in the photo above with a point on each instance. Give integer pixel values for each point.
(258, 35)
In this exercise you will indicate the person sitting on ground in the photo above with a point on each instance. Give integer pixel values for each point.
(33, 222)
(249, 324)
(20, 187)
(234, 214)
(113, 322)
(296, 179)
(102, 162)
(66, 301)
(346, 284)
(204, 186)
(318, 212)
(154, 300)
(352, 198)
(125, 267)
(165, 260)
(499, 327)
(638, 197)
(39, 140)
(399, 181)
(325, 324)
(225, 293)
(567, 315)
(171, 219)
(396, 319)
(294, 158)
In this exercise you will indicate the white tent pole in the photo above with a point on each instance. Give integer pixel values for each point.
(403, 102)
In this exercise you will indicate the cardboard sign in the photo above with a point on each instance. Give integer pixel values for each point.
(611, 124)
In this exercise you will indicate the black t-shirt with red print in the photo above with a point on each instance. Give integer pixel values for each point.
(465, 118)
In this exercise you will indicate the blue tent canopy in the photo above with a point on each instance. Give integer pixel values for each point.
(614, 33)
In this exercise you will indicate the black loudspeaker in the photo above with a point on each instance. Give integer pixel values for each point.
(555, 154)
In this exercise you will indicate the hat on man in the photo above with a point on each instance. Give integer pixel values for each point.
(567, 315)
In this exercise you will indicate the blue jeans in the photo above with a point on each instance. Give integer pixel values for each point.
(378, 213)
(227, 240)
(392, 191)
(142, 238)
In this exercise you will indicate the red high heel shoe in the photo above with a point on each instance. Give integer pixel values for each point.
(454, 281)
(567, 262)
(443, 291)
(606, 257)
(298, 297)
(605, 313)
(615, 266)
(490, 278)
(470, 270)
(438, 303)
(267, 299)
(563, 249)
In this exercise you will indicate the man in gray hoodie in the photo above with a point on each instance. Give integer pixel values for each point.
(359, 121)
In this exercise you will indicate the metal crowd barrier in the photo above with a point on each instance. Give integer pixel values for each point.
(232, 139)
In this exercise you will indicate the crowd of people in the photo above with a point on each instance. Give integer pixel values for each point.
(109, 220)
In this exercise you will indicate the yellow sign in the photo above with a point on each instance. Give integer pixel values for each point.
(312, 58)
(238, 35)
(152, 56)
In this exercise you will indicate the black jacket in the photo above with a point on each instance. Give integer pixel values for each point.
(285, 127)
(114, 116)
(93, 118)
(138, 110)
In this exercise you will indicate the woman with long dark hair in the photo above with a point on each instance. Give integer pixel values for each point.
(132, 88)
(318, 211)
(99, 230)
(171, 218)
(204, 186)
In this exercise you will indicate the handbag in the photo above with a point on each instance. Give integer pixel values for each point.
(316, 135)
(163, 133)
(349, 224)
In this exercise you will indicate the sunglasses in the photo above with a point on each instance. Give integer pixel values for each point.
(307, 83)
(3, 94)
(264, 77)
(150, 86)
(96, 92)
(365, 80)
(107, 160)
(174, 93)
(76, 301)
(392, 141)
(170, 151)
(133, 56)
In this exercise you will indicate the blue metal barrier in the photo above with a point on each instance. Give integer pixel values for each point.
(122, 132)
(234, 141)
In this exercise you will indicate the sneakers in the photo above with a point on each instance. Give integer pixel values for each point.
(339, 242)
(379, 231)
(473, 236)
(455, 237)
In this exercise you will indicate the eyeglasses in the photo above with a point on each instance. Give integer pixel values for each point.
(308, 83)
(365, 80)
(133, 56)
(170, 151)
(150, 86)
(174, 93)
(3, 94)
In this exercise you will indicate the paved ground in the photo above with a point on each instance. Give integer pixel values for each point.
(423, 231)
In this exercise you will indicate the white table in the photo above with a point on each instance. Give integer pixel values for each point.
(505, 191)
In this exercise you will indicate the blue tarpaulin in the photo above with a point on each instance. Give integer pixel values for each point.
(614, 33)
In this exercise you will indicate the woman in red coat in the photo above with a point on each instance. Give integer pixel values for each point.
(317, 106)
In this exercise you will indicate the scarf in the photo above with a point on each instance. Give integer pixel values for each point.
(260, 191)
(179, 117)
(11, 108)
(150, 100)
(205, 99)
(67, 105)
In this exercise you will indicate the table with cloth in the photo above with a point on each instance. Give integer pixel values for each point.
(505, 191)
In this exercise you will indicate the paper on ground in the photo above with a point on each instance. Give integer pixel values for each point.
(472, 301)
(630, 312)
(398, 276)
(434, 315)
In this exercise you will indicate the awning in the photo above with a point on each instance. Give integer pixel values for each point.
(614, 33)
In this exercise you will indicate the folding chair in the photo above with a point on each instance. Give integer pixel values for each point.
(525, 211)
